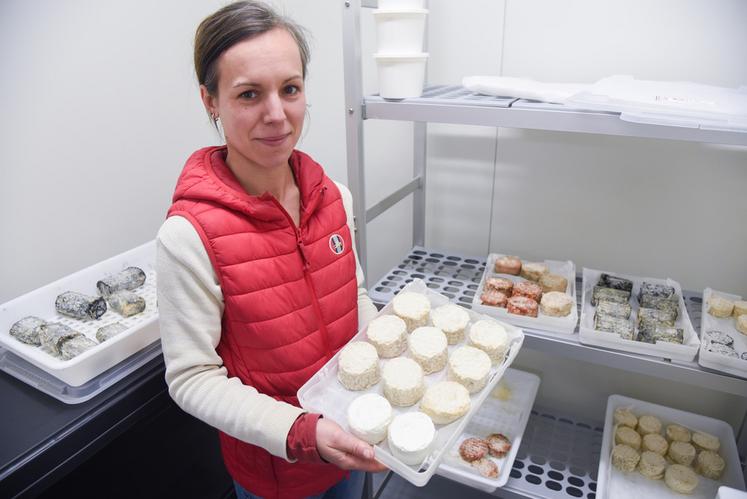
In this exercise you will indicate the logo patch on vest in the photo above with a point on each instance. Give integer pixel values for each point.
(336, 244)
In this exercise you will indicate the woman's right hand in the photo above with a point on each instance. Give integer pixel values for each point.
(344, 450)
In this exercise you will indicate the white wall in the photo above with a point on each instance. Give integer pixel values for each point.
(100, 110)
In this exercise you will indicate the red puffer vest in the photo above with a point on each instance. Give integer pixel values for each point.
(290, 296)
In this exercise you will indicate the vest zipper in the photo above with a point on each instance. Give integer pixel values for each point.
(307, 278)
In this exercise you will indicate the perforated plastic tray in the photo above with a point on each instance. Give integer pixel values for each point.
(453, 275)
(142, 329)
(323, 393)
(508, 417)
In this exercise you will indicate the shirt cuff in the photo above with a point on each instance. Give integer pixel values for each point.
(301, 442)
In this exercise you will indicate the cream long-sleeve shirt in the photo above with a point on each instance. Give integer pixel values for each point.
(190, 306)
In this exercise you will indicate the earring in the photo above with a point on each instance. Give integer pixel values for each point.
(215, 117)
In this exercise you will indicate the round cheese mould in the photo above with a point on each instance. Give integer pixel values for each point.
(400, 31)
(401, 76)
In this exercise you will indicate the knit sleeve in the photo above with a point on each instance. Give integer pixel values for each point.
(366, 308)
(190, 306)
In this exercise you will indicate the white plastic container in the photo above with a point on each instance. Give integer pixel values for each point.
(400, 31)
(142, 329)
(565, 325)
(614, 484)
(401, 4)
(401, 76)
(713, 360)
(509, 417)
(590, 336)
(323, 393)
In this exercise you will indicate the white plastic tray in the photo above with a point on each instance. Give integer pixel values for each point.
(508, 417)
(590, 336)
(542, 322)
(614, 484)
(712, 360)
(142, 328)
(324, 394)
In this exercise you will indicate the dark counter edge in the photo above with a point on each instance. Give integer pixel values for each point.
(138, 396)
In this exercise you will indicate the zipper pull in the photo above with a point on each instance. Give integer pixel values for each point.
(299, 242)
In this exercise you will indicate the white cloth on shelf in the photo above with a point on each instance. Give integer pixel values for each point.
(522, 88)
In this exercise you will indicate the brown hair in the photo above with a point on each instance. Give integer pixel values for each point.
(232, 24)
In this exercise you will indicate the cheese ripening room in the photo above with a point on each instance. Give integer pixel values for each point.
(373, 248)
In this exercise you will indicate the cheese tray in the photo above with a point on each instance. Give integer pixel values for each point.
(722, 347)
(506, 412)
(589, 335)
(544, 322)
(137, 332)
(323, 392)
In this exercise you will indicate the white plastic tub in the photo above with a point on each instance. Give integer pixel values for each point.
(400, 31)
(401, 76)
(401, 4)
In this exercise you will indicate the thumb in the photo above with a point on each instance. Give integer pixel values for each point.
(356, 447)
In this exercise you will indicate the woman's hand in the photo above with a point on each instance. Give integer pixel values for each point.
(342, 449)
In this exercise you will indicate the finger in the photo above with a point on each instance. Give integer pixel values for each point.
(354, 446)
(354, 463)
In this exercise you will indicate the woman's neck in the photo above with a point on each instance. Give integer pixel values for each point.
(278, 180)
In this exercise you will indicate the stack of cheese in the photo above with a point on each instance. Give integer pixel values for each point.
(676, 457)
(414, 340)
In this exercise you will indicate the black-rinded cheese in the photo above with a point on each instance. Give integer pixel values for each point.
(127, 280)
(27, 330)
(666, 317)
(655, 291)
(609, 324)
(53, 334)
(126, 303)
(79, 305)
(621, 310)
(110, 330)
(614, 282)
(609, 294)
(75, 346)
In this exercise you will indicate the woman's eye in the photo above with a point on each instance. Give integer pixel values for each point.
(249, 94)
(292, 90)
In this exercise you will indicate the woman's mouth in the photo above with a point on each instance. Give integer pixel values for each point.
(274, 140)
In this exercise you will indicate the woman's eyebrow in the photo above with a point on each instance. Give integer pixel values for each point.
(252, 84)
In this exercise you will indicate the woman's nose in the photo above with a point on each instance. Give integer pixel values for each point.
(274, 110)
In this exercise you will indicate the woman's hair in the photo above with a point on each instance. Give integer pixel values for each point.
(232, 24)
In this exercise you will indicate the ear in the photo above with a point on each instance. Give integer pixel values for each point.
(209, 101)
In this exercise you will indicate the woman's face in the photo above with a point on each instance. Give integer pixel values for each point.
(261, 100)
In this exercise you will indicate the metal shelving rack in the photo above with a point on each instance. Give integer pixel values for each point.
(457, 276)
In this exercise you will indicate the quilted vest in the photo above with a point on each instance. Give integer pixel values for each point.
(290, 296)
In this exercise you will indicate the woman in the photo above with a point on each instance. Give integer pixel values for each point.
(258, 282)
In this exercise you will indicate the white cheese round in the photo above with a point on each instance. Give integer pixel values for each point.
(490, 337)
(403, 381)
(429, 347)
(452, 320)
(410, 437)
(358, 366)
(413, 308)
(556, 304)
(445, 401)
(388, 334)
(469, 367)
(369, 416)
